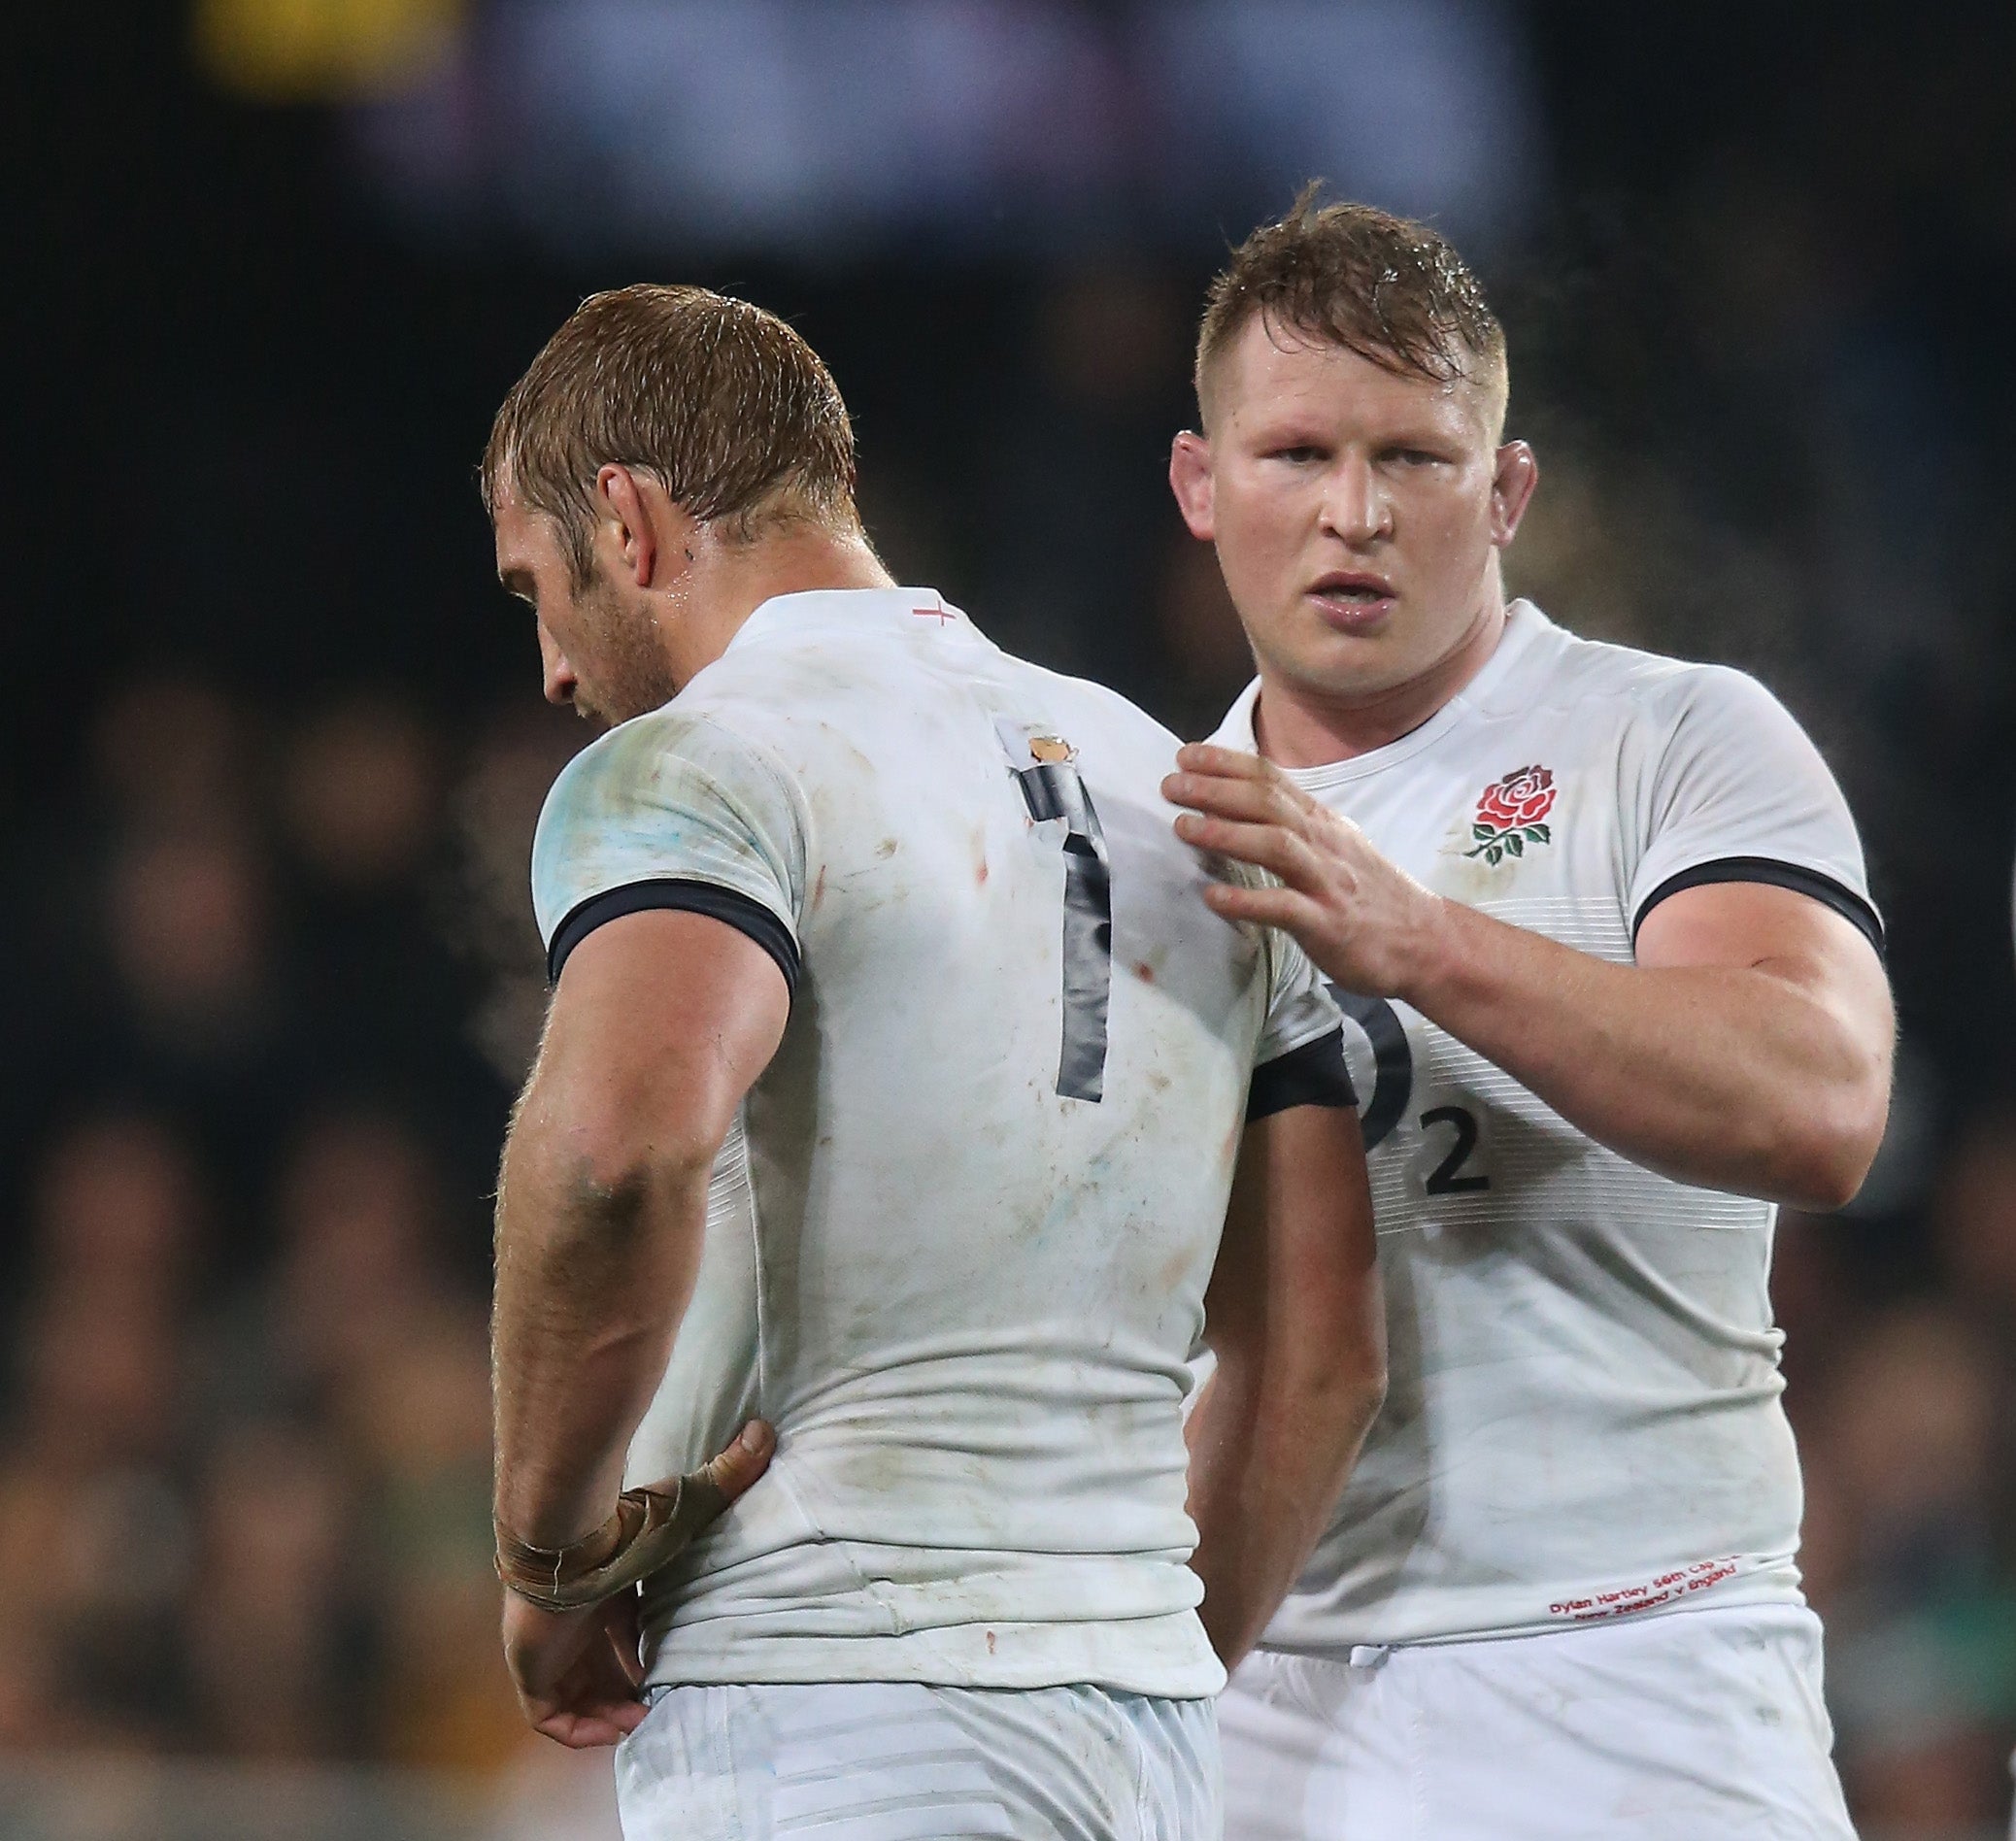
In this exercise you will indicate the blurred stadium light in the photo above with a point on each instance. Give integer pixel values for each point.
(302, 51)
(826, 127)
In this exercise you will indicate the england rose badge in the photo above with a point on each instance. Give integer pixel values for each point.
(1512, 814)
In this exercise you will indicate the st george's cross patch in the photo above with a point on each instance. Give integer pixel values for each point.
(1511, 813)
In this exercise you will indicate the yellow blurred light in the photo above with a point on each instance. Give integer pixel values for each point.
(324, 50)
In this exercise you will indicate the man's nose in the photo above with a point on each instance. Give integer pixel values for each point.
(1355, 504)
(558, 673)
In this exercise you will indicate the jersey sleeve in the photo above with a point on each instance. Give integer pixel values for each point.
(671, 810)
(1300, 1060)
(1734, 791)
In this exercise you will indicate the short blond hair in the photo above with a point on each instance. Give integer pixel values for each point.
(1389, 289)
(723, 404)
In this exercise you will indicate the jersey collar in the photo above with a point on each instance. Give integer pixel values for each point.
(1523, 622)
(827, 611)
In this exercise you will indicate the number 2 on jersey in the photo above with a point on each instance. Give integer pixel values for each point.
(1053, 790)
(1392, 1087)
(1448, 1178)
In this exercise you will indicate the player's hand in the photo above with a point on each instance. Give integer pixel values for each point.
(1363, 921)
(577, 1673)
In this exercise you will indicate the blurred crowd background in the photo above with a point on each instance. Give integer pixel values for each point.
(270, 768)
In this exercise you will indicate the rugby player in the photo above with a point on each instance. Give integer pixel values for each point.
(894, 1090)
(1600, 919)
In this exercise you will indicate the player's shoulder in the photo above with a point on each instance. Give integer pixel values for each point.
(1116, 731)
(829, 709)
(682, 756)
(1560, 671)
(691, 733)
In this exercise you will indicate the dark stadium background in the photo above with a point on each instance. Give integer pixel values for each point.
(273, 741)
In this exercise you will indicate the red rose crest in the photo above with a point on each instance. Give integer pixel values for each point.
(1512, 814)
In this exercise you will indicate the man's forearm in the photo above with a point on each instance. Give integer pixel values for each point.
(593, 1273)
(1265, 1475)
(662, 1023)
(1732, 1077)
(1748, 1048)
(1297, 1318)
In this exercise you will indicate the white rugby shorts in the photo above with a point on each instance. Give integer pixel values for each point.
(1702, 1725)
(901, 1761)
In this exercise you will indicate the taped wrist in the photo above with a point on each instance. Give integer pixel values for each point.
(652, 1527)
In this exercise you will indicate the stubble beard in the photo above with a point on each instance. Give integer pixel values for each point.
(629, 675)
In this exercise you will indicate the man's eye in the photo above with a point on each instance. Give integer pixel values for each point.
(1298, 456)
(1417, 458)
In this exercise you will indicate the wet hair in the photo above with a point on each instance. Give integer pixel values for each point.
(723, 404)
(1389, 289)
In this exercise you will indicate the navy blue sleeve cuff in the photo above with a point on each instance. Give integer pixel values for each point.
(1829, 894)
(1312, 1074)
(742, 913)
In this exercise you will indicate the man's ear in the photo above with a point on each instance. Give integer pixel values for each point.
(1190, 479)
(1515, 474)
(630, 522)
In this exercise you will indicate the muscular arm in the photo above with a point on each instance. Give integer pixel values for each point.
(1748, 1048)
(661, 1023)
(1295, 1316)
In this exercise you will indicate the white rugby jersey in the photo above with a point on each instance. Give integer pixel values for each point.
(957, 1249)
(1583, 1419)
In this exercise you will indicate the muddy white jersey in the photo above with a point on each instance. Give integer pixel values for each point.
(957, 1249)
(1582, 1420)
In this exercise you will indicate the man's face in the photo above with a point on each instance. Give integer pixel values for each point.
(599, 648)
(1358, 512)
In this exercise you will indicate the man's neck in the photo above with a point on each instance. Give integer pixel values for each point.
(733, 579)
(1295, 725)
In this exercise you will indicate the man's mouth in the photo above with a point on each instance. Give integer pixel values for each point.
(1353, 599)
